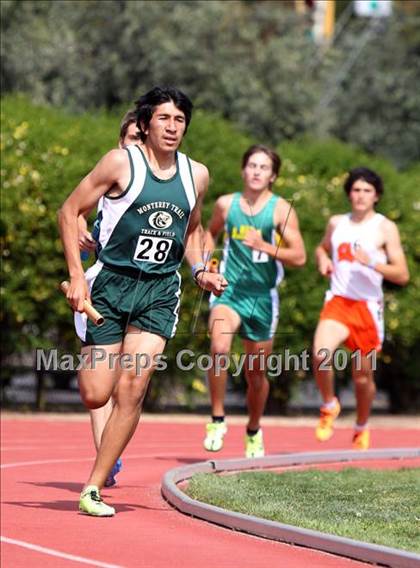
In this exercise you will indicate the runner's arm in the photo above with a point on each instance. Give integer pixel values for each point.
(396, 270)
(107, 172)
(195, 243)
(86, 242)
(293, 254)
(323, 250)
(216, 224)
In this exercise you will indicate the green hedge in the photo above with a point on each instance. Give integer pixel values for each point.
(46, 152)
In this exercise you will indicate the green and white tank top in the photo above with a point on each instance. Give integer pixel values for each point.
(250, 270)
(144, 227)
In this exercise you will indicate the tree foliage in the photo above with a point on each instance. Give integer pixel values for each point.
(251, 62)
(378, 104)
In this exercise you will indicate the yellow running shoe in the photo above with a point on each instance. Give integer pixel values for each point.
(215, 432)
(91, 503)
(254, 445)
(361, 440)
(324, 430)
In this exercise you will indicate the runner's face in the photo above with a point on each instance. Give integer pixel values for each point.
(166, 128)
(258, 172)
(362, 196)
(131, 136)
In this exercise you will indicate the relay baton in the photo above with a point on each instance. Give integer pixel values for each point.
(213, 265)
(89, 310)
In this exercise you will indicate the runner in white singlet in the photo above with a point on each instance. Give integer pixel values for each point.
(358, 251)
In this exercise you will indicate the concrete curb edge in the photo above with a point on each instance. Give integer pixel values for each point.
(282, 532)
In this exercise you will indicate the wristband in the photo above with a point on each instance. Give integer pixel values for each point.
(197, 267)
(198, 272)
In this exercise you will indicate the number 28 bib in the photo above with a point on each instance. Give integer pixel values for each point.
(152, 249)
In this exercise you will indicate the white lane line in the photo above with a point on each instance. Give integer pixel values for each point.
(43, 462)
(17, 448)
(146, 446)
(157, 454)
(57, 553)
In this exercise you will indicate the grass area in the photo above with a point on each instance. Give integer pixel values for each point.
(380, 507)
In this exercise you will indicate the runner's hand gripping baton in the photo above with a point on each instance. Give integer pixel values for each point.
(89, 310)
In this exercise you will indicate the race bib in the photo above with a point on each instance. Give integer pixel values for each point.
(152, 249)
(259, 256)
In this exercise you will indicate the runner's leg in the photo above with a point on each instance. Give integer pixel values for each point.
(258, 386)
(365, 389)
(224, 322)
(129, 394)
(98, 419)
(329, 335)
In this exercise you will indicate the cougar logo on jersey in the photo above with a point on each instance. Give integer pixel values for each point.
(160, 220)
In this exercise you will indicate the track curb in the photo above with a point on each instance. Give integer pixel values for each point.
(341, 546)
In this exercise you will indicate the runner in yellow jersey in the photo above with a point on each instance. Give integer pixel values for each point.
(254, 221)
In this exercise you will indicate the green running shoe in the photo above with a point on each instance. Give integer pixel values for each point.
(91, 503)
(254, 445)
(215, 431)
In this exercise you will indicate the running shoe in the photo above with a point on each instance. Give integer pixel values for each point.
(110, 480)
(91, 503)
(324, 430)
(361, 440)
(254, 445)
(215, 431)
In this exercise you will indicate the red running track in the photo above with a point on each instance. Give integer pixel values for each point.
(44, 463)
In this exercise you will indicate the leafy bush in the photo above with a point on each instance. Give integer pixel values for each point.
(45, 154)
(42, 162)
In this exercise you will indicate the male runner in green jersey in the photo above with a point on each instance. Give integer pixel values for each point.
(152, 198)
(261, 234)
(129, 134)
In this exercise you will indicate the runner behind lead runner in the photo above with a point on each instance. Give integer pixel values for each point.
(261, 235)
(358, 251)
